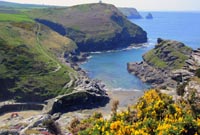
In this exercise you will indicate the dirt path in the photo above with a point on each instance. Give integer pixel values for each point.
(44, 52)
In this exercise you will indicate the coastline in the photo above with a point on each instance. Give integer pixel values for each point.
(125, 97)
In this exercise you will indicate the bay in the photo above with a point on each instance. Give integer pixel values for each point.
(111, 67)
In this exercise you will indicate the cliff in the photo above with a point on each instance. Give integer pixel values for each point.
(167, 65)
(32, 64)
(131, 13)
(94, 27)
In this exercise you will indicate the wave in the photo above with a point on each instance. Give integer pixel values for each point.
(122, 89)
(133, 46)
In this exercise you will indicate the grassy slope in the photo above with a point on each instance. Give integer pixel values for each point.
(91, 21)
(29, 68)
(160, 55)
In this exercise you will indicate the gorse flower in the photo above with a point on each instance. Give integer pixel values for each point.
(155, 113)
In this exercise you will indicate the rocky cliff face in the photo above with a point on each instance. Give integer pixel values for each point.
(131, 13)
(168, 64)
(94, 27)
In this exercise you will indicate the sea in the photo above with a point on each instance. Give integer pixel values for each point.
(111, 67)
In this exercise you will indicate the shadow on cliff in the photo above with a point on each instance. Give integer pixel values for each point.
(75, 102)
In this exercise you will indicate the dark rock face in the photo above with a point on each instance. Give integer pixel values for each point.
(75, 101)
(87, 94)
(160, 67)
(148, 74)
(120, 40)
(149, 16)
(54, 26)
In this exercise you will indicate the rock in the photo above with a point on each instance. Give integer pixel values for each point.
(159, 40)
(39, 120)
(35, 122)
(168, 54)
(181, 75)
(166, 65)
(131, 13)
(56, 116)
(193, 85)
(149, 16)
(75, 101)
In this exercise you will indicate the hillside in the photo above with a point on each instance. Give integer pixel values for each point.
(131, 13)
(29, 65)
(168, 54)
(94, 27)
(167, 65)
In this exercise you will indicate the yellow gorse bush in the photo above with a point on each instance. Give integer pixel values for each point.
(154, 114)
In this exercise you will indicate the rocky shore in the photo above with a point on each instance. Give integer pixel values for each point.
(167, 65)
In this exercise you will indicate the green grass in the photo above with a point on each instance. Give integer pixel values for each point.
(14, 18)
(28, 65)
(83, 8)
(159, 59)
(154, 60)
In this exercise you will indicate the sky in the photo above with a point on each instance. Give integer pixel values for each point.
(142, 5)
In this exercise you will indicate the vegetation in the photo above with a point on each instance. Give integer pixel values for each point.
(29, 65)
(155, 113)
(152, 58)
(91, 24)
(14, 17)
(168, 54)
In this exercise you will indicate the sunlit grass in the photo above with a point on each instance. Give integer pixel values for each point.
(4, 17)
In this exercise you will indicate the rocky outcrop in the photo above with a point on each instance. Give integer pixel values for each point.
(193, 63)
(131, 13)
(192, 86)
(149, 16)
(87, 93)
(94, 27)
(75, 101)
(167, 65)
(155, 77)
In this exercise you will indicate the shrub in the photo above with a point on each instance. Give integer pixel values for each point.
(155, 113)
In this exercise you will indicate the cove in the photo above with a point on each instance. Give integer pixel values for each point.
(111, 67)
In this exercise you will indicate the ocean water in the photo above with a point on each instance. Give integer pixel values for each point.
(111, 67)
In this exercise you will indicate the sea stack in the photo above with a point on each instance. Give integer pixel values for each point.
(149, 16)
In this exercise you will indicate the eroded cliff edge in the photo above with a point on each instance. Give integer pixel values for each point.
(167, 65)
